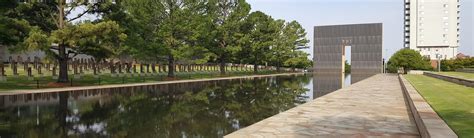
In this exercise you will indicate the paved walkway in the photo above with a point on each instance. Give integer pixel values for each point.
(373, 107)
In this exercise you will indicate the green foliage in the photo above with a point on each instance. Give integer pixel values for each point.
(300, 60)
(408, 59)
(260, 32)
(13, 31)
(347, 67)
(290, 38)
(154, 31)
(226, 19)
(453, 64)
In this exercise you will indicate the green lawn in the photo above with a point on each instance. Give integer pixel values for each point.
(23, 82)
(459, 74)
(453, 102)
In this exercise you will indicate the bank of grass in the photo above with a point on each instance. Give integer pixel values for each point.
(453, 102)
(22, 82)
(459, 74)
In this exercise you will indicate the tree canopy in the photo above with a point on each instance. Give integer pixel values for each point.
(408, 59)
(153, 31)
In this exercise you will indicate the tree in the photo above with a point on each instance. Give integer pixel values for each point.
(171, 29)
(227, 17)
(12, 31)
(261, 31)
(347, 67)
(458, 63)
(53, 27)
(408, 60)
(291, 37)
(299, 60)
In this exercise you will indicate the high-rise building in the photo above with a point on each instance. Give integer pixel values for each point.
(432, 27)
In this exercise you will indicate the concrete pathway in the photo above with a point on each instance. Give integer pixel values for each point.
(374, 107)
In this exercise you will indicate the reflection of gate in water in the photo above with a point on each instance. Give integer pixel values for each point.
(366, 50)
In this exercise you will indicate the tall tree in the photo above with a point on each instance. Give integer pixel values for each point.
(281, 49)
(228, 16)
(261, 33)
(57, 35)
(173, 27)
(292, 39)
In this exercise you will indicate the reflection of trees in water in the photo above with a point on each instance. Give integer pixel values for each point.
(208, 109)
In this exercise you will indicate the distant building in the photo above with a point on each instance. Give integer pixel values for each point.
(432, 27)
(461, 56)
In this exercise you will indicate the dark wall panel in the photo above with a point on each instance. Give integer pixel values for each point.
(366, 51)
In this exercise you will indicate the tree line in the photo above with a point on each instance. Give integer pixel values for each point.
(164, 31)
(408, 59)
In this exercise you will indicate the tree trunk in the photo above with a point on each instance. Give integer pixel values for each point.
(62, 57)
(62, 60)
(222, 66)
(255, 68)
(278, 66)
(171, 66)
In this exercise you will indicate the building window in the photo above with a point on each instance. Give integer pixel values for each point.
(422, 12)
(446, 11)
(445, 41)
(445, 35)
(446, 23)
(446, 29)
(446, 5)
(422, 18)
(445, 17)
(421, 24)
(421, 30)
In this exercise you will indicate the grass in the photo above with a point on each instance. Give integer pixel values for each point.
(22, 82)
(453, 102)
(459, 74)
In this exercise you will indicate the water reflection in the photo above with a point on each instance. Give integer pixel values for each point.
(324, 83)
(201, 109)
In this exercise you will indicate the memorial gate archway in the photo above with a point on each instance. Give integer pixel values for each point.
(366, 50)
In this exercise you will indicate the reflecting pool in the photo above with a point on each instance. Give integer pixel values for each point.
(197, 109)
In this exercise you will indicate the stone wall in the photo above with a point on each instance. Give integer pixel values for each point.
(466, 70)
(427, 120)
(460, 81)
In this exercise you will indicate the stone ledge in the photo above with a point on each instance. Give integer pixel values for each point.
(427, 120)
(460, 81)
(466, 70)
(110, 86)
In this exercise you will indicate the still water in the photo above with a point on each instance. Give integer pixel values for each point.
(198, 109)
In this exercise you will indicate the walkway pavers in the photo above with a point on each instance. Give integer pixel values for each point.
(373, 107)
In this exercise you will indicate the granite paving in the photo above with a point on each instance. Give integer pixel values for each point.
(374, 107)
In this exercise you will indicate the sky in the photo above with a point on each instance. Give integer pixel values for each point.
(310, 13)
